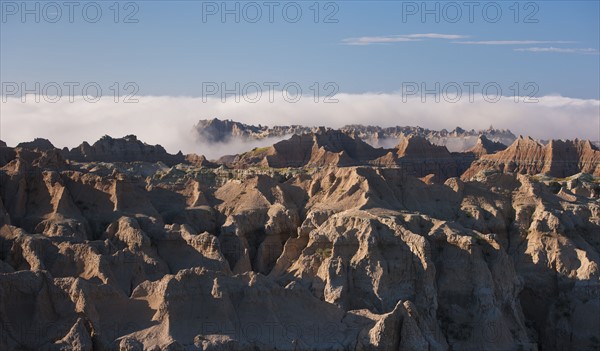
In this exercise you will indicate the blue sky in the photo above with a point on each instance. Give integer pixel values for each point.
(171, 50)
(372, 52)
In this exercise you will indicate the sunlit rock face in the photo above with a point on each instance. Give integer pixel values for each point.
(557, 158)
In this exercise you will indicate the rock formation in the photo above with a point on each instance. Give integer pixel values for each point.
(216, 130)
(37, 144)
(457, 140)
(332, 148)
(323, 148)
(485, 146)
(126, 149)
(148, 256)
(557, 158)
(200, 161)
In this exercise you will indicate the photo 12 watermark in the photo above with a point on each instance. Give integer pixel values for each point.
(470, 11)
(254, 92)
(270, 11)
(54, 92)
(69, 11)
(454, 92)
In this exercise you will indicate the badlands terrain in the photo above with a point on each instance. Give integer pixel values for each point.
(321, 241)
(218, 131)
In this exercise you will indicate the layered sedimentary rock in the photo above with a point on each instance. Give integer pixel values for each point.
(418, 157)
(332, 148)
(557, 158)
(143, 256)
(324, 148)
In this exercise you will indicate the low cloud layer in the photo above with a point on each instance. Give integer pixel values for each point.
(169, 121)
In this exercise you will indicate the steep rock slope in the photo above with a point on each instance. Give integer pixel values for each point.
(139, 256)
(557, 158)
(329, 148)
(325, 148)
(418, 157)
(485, 146)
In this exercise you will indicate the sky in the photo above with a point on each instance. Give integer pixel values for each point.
(471, 64)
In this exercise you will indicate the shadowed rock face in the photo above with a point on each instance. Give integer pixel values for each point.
(324, 148)
(108, 149)
(216, 130)
(327, 148)
(127, 149)
(37, 143)
(140, 255)
(485, 146)
(419, 148)
(419, 158)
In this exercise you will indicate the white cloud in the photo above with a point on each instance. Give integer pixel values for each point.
(436, 36)
(377, 40)
(511, 42)
(169, 120)
(561, 50)
(399, 38)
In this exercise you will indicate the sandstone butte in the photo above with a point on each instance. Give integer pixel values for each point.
(319, 242)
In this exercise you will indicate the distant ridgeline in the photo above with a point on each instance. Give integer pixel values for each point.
(413, 152)
(216, 130)
(108, 149)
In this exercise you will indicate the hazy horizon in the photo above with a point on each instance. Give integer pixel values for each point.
(169, 121)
